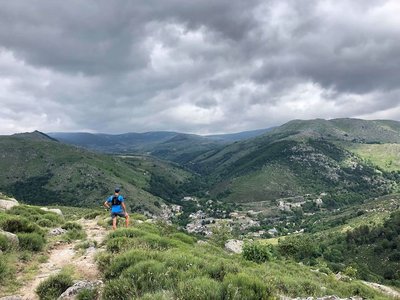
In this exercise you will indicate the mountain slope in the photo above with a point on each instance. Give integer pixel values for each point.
(173, 146)
(301, 157)
(42, 171)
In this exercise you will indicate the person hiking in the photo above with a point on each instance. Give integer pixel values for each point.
(118, 209)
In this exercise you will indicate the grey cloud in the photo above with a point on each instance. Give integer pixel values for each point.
(195, 65)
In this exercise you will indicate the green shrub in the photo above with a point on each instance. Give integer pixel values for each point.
(4, 268)
(162, 295)
(242, 286)
(72, 226)
(5, 244)
(103, 260)
(119, 289)
(54, 286)
(31, 241)
(257, 252)
(92, 215)
(120, 244)
(25, 256)
(87, 294)
(198, 289)
(74, 234)
(187, 239)
(18, 224)
(158, 242)
(218, 269)
(45, 223)
(124, 261)
(148, 276)
(136, 216)
(126, 232)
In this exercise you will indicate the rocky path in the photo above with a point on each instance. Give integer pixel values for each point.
(384, 289)
(63, 255)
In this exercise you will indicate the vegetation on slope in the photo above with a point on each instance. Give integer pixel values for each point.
(370, 252)
(155, 261)
(41, 171)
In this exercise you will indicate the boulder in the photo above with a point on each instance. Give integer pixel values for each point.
(57, 231)
(235, 246)
(12, 238)
(78, 286)
(54, 210)
(6, 204)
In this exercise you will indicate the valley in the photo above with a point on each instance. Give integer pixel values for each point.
(318, 196)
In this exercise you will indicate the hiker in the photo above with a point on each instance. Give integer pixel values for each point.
(118, 208)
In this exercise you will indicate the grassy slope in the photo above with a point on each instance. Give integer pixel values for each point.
(45, 171)
(386, 156)
(145, 254)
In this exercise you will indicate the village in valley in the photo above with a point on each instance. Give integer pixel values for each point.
(206, 216)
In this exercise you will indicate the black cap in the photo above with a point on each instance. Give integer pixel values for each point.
(116, 190)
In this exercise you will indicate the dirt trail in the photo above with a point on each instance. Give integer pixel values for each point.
(63, 255)
(384, 289)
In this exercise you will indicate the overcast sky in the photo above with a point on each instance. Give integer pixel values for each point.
(200, 66)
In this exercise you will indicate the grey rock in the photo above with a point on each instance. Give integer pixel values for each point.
(12, 238)
(235, 246)
(72, 291)
(53, 210)
(15, 297)
(57, 231)
(6, 204)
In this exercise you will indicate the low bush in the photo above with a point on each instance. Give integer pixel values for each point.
(72, 226)
(54, 286)
(180, 236)
(92, 215)
(31, 241)
(119, 289)
(257, 252)
(16, 224)
(162, 295)
(124, 261)
(5, 244)
(45, 223)
(218, 269)
(157, 242)
(120, 244)
(74, 234)
(243, 286)
(4, 268)
(199, 288)
(87, 294)
(126, 232)
(148, 276)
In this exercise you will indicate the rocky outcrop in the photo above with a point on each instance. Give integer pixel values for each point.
(12, 238)
(54, 210)
(57, 231)
(235, 246)
(6, 204)
(72, 291)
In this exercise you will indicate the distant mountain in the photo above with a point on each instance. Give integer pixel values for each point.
(39, 170)
(302, 157)
(174, 146)
(239, 136)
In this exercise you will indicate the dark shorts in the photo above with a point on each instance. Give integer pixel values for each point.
(121, 214)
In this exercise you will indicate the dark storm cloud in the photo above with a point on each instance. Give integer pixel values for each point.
(120, 66)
